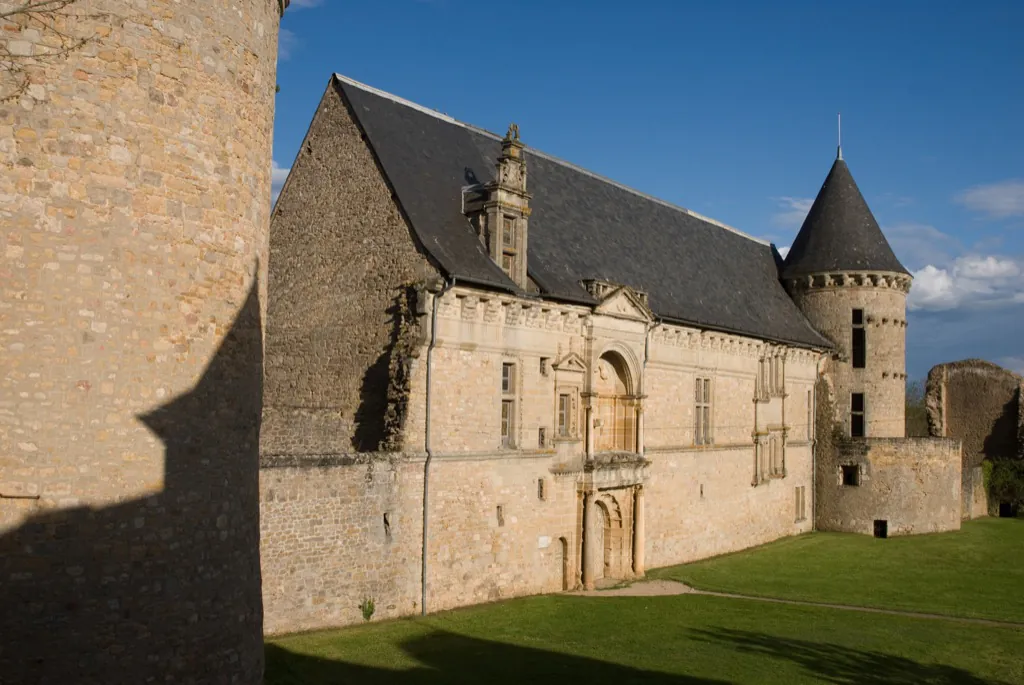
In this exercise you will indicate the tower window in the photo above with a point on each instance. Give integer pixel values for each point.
(857, 415)
(508, 232)
(851, 475)
(859, 342)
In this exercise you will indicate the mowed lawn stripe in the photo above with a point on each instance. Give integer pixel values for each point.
(977, 572)
(654, 640)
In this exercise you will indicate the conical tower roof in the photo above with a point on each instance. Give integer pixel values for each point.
(840, 233)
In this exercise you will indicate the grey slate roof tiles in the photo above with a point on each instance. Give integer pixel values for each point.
(581, 227)
(840, 233)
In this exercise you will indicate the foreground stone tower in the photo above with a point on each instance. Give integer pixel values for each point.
(135, 199)
(844, 276)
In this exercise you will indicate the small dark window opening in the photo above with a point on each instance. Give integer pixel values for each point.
(387, 527)
(501, 515)
(857, 415)
(851, 475)
(858, 317)
(860, 353)
(881, 528)
(540, 489)
(542, 437)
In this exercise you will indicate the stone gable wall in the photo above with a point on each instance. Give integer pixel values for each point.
(134, 200)
(343, 271)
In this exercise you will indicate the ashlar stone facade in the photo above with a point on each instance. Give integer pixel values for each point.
(541, 445)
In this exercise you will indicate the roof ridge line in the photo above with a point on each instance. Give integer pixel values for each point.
(451, 120)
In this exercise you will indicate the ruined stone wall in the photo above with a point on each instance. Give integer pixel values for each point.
(911, 483)
(883, 380)
(978, 403)
(343, 265)
(134, 199)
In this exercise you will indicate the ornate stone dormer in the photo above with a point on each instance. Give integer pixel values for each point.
(502, 219)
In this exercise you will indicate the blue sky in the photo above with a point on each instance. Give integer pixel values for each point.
(729, 109)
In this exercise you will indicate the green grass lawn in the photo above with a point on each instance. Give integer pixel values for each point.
(653, 640)
(975, 572)
(690, 639)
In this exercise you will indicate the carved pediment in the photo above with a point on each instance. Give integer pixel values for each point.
(571, 362)
(625, 303)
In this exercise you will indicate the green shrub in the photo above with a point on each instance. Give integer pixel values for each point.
(367, 608)
(1005, 480)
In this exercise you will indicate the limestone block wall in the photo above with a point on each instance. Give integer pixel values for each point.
(978, 403)
(478, 554)
(343, 263)
(912, 483)
(134, 200)
(701, 503)
(883, 380)
(334, 531)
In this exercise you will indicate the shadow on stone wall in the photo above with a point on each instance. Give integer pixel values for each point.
(1001, 440)
(165, 588)
(383, 394)
(451, 658)
(833, 663)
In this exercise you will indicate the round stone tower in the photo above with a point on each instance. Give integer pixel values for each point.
(135, 145)
(843, 275)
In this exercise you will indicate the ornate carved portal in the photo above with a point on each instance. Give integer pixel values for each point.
(611, 531)
(615, 419)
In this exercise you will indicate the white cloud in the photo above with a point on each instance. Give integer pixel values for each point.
(278, 176)
(794, 211)
(918, 244)
(997, 200)
(969, 281)
(305, 4)
(783, 251)
(287, 41)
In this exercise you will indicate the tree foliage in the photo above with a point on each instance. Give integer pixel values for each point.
(917, 413)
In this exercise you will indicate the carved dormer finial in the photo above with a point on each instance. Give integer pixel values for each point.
(513, 132)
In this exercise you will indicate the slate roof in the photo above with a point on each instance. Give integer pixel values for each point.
(695, 271)
(840, 232)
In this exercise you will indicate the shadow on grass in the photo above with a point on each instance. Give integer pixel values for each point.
(451, 658)
(832, 663)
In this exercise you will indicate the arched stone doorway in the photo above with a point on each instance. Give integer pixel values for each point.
(615, 424)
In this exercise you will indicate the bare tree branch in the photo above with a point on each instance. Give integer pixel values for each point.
(50, 19)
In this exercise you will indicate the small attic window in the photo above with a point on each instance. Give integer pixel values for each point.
(508, 232)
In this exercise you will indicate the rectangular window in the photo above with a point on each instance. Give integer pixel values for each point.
(564, 404)
(508, 404)
(508, 379)
(851, 475)
(508, 264)
(508, 232)
(507, 408)
(857, 415)
(542, 437)
(702, 433)
(859, 343)
(540, 489)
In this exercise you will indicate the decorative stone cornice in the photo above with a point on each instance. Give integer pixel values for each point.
(851, 279)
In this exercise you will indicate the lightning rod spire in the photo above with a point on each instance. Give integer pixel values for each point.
(839, 150)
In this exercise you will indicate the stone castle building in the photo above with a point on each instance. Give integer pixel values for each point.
(492, 373)
(132, 293)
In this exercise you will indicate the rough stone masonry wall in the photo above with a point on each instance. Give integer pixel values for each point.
(342, 265)
(324, 542)
(883, 380)
(911, 483)
(134, 200)
(978, 403)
